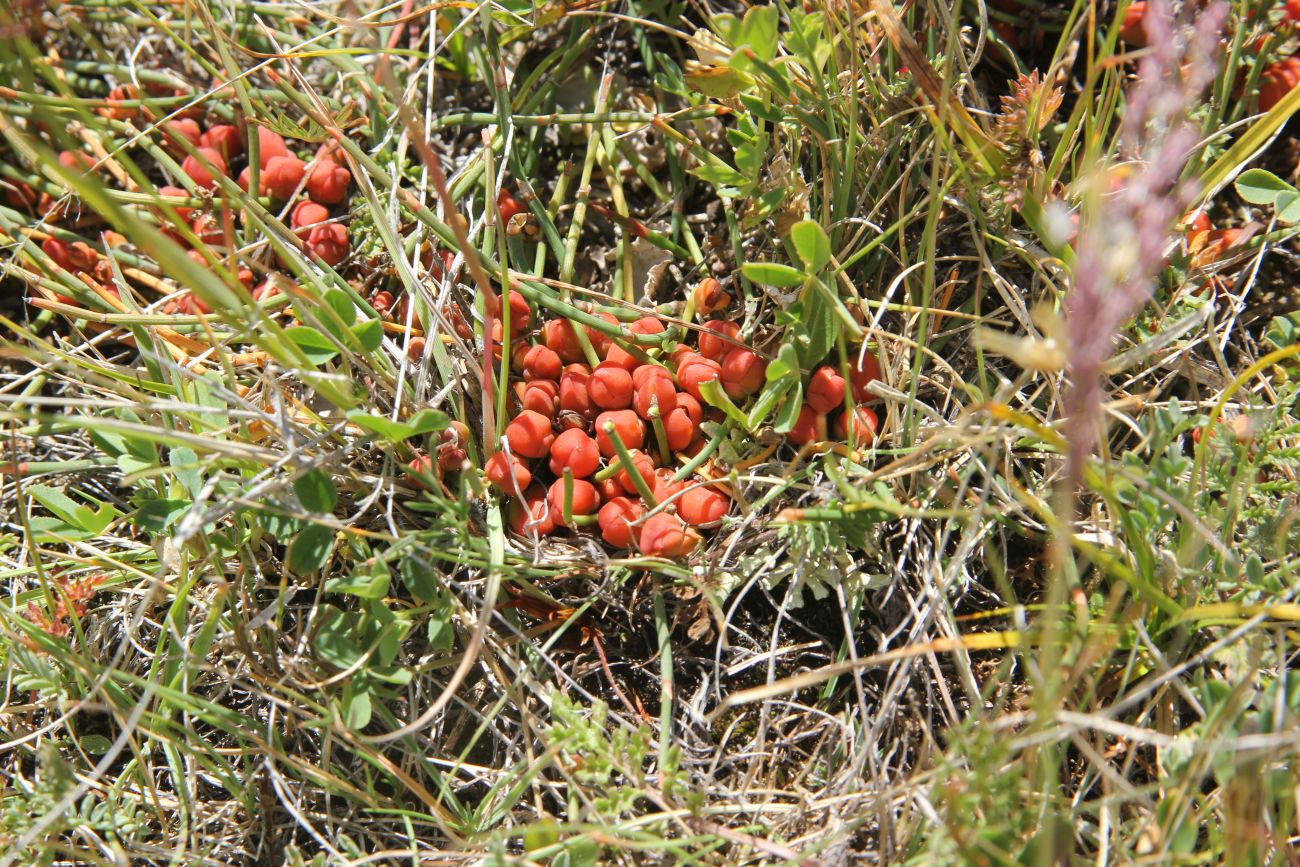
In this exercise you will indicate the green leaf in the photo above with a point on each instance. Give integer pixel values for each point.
(316, 491)
(428, 420)
(789, 414)
(758, 30)
(420, 579)
(157, 516)
(57, 502)
(335, 643)
(368, 582)
(311, 549)
(185, 463)
(718, 82)
(316, 346)
(356, 709)
(370, 334)
(1260, 187)
(1288, 207)
(817, 328)
(719, 176)
(387, 429)
(812, 244)
(774, 274)
(96, 745)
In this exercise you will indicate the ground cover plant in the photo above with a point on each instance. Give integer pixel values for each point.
(653, 432)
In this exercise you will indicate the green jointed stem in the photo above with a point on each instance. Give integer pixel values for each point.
(629, 465)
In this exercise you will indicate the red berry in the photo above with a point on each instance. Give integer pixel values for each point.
(508, 206)
(542, 363)
(702, 504)
(507, 473)
(825, 389)
(199, 173)
(181, 211)
(182, 128)
(532, 515)
(1292, 8)
(709, 296)
(610, 387)
(419, 468)
(530, 434)
(743, 373)
(805, 428)
(608, 488)
(560, 337)
(269, 145)
(77, 256)
(862, 373)
(584, 501)
(664, 535)
(692, 407)
(575, 393)
(616, 518)
(307, 214)
(1277, 80)
(864, 429)
(19, 194)
(281, 177)
(577, 451)
(664, 487)
(601, 341)
(647, 325)
(1132, 31)
(643, 466)
(542, 396)
(679, 430)
(245, 178)
(655, 390)
(713, 346)
(696, 371)
(629, 426)
(327, 182)
(520, 314)
(329, 242)
(1198, 221)
(223, 138)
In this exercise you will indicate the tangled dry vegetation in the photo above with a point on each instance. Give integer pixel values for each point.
(278, 277)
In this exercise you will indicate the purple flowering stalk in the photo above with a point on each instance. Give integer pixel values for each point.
(1121, 249)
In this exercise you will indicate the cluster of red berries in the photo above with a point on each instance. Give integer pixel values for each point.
(1275, 81)
(593, 446)
(282, 176)
(825, 407)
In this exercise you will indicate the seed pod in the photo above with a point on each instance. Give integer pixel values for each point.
(864, 429)
(807, 427)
